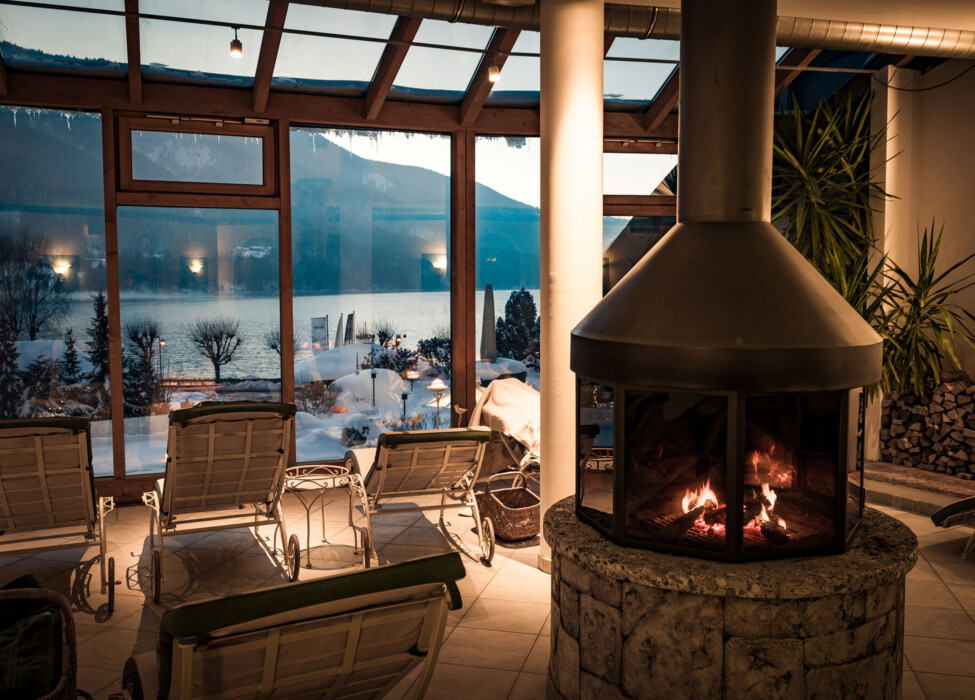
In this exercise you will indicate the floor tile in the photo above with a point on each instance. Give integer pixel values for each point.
(451, 682)
(951, 656)
(523, 588)
(94, 680)
(964, 594)
(507, 615)
(910, 688)
(945, 687)
(537, 661)
(938, 623)
(487, 648)
(931, 594)
(528, 686)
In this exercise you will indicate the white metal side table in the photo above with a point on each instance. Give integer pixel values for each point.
(309, 482)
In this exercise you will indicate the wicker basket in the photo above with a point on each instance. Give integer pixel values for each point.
(514, 512)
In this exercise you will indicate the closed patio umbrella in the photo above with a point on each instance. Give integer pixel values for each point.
(489, 340)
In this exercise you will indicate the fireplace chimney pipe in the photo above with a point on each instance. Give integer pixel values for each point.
(726, 95)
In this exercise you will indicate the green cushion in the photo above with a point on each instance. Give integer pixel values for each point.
(395, 439)
(961, 507)
(213, 408)
(200, 620)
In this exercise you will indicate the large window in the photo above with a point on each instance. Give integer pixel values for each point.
(53, 304)
(508, 225)
(200, 316)
(370, 220)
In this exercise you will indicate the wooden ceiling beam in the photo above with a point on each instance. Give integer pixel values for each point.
(277, 12)
(903, 61)
(389, 65)
(133, 50)
(664, 103)
(501, 44)
(68, 92)
(797, 59)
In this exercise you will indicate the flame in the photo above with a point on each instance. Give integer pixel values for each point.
(696, 499)
(769, 496)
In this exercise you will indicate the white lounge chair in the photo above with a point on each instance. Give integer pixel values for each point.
(222, 456)
(47, 491)
(353, 635)
(422, 463)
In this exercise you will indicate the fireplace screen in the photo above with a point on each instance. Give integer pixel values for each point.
(727, 476)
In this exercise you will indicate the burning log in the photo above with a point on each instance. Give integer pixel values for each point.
(753, 509)
(680, 525)
(774, 531)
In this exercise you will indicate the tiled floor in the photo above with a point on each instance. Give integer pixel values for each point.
(497, 646)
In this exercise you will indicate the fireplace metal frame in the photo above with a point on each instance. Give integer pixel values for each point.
(734, 477)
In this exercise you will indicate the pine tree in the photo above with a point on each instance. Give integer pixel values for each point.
(39, 375)
(98, 339)
(11, 386)
(518, 331)
(70, 364)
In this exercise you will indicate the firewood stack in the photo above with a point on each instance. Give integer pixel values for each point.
(935, 432)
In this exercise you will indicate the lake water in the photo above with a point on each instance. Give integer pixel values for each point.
(419, 315)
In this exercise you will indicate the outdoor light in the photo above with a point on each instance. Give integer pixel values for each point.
(494, 73)
(438, 387)
(404, 395)
(440, 263)
(236, 47)
(61, 267)
(162, 344)
(373, 374)
(196, 266)
(412, 375)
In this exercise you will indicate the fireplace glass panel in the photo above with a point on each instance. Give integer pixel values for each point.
(792, 452)
(595, 457)
(674, 468)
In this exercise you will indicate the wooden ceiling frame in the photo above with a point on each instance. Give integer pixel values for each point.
(277, 12)
(502, 42)
(639, 205)
(392, 59)
(133, 51)
(95, 93)
(663, 104)
(796, 59)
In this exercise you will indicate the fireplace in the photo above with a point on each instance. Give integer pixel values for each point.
(724, 475)
(716, 378)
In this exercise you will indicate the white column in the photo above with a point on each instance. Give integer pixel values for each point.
(572, 211)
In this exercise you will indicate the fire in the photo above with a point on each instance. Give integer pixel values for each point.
(768, 465)
(695, 499)
(769, 496)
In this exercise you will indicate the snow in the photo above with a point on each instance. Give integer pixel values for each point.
(334, 363)
(503, 367)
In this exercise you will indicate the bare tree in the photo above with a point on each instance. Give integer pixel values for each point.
(272, 341)
(143, 332)
(217, 339)
(32, 296)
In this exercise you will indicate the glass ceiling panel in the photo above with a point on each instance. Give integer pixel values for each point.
(636, 84)
(198, 51)
(32, 37)
(336, 65)
(519, 83)
(439, 73)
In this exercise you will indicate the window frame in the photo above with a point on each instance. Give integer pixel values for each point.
(188, 125)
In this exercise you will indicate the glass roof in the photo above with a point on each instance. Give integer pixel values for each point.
(33, 37)
(201, 52)
(336, 65)
(520, 77)
(441, 74)
(636, 84)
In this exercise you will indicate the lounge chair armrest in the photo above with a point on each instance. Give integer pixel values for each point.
(360, 461)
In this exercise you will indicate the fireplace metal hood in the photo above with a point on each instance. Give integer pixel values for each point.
(723, 302)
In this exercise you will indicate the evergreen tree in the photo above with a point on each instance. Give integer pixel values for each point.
(70, 364)
(40, 374)
(139, 384)
(11, 386)
(98, 339)
(518, 331)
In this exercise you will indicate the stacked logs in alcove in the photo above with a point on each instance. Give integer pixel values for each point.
(935, 432)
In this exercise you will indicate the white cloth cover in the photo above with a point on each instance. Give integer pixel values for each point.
(512, 407)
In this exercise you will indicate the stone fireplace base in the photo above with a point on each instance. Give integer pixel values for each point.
(629, 623)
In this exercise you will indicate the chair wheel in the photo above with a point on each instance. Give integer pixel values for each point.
(487, 541)
(294, 555)
(155, 575)
(111, 584)
(366, 548)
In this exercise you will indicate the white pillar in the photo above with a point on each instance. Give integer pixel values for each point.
(572, 220)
